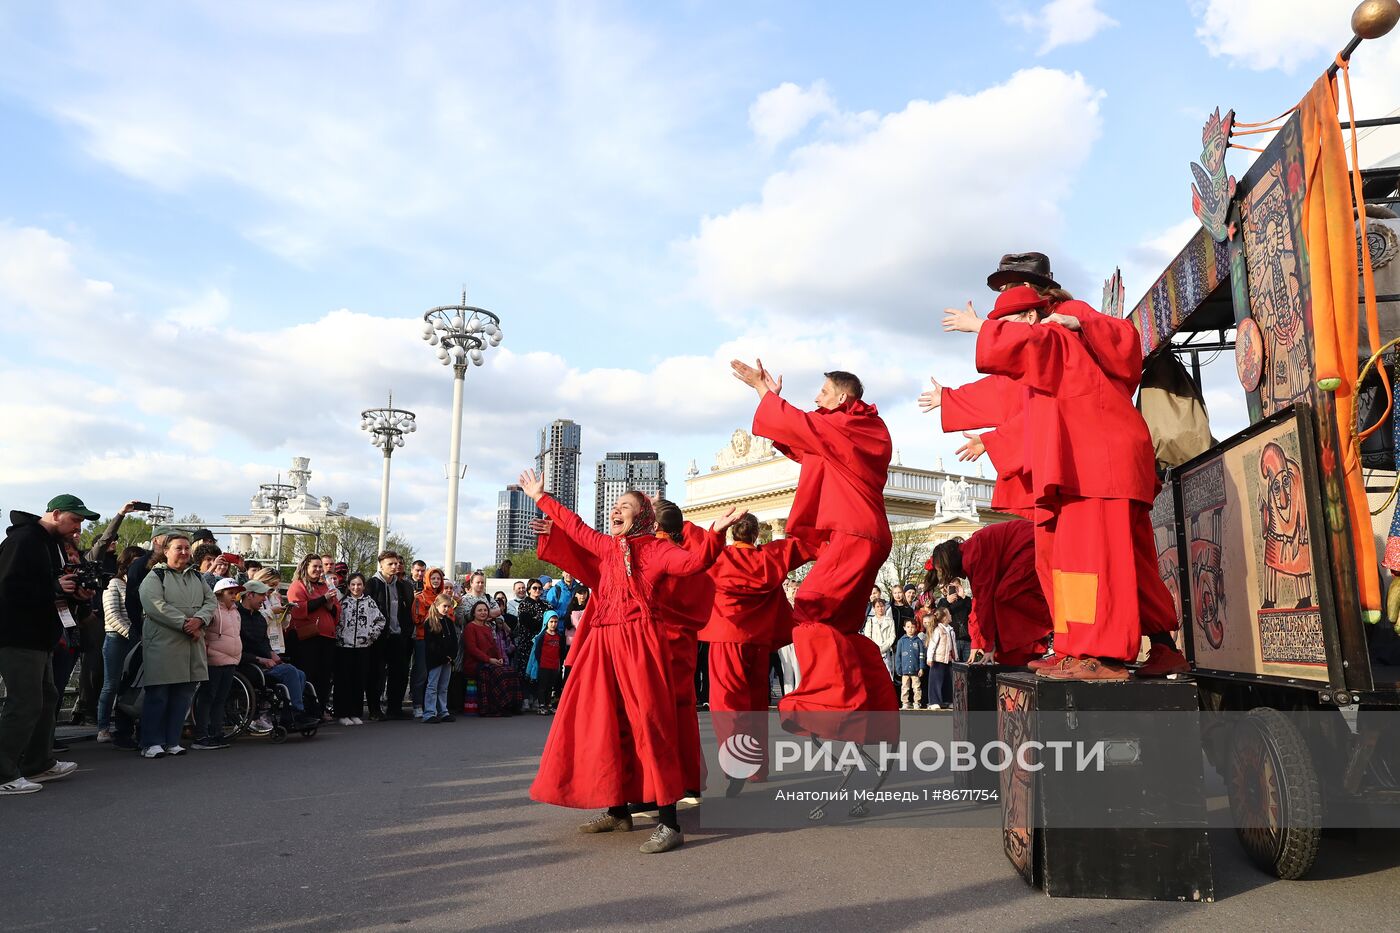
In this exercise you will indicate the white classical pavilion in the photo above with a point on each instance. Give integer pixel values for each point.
(254, 534)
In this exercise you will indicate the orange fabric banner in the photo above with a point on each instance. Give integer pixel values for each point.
(1329, 230)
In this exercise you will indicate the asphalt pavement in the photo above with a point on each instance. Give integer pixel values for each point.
(395, 826)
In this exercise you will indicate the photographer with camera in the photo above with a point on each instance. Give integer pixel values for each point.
(35, 592)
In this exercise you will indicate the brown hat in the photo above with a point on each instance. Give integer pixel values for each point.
(1018, 268)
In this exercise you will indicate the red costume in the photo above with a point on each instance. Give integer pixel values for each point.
(683, 605)
(750, 619)
(1089, 457)
(1009, 614)
(838, 513)
(614, 736)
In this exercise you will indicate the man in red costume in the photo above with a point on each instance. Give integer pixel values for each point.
(750, 618)
(838, 513)
(1090, 462)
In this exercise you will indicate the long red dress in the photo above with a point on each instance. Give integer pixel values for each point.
(683, 604)
(1089, 456)
(838, 513)
(1009, 614)
(750, 618)
(613, 739)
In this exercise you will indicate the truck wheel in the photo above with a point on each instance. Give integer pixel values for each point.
(1275, 799)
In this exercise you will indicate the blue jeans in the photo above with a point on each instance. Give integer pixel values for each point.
(420, 672)
(435, 694)
(293, 679)
(210, 700)
(163, 711)
(114, 649)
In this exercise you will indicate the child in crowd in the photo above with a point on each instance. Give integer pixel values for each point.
(440, 643)
(942, 652)
(909, 665)
(546, 662)
(223, 641)
(359, 627)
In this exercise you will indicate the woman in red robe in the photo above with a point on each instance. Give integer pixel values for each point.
(750, 618)
(613, 739)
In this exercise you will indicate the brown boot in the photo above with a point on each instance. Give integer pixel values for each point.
(1051, 662)
(1088, 669)
(1161, 661)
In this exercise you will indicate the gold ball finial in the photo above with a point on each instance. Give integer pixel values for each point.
(1374, 18)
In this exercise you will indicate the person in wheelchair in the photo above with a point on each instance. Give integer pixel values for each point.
(260, 663)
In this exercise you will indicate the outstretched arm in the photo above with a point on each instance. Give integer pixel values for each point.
(566, 521)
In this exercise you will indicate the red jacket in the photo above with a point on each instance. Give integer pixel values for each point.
(686, 602)
(480, 644)
(845, 457)
(324, 618)
(1082, 436)
(750, 606)
(999, 403)
(1008, 606)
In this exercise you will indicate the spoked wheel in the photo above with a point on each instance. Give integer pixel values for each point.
(1275, 799)
(240, 708)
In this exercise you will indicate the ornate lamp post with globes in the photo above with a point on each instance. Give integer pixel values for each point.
(387, 427)
(461, 333)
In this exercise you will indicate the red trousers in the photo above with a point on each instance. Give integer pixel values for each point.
(837, 588)
(1097, 563)
(739, 694)
(681, 645)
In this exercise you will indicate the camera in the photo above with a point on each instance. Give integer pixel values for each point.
(90, 575)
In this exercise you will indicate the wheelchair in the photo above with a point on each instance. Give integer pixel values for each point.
(254, 694)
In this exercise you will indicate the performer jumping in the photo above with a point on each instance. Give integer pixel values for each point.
(750, 619)
(839, 513)
(1010, 622)
(613, 739)
(1091, 467)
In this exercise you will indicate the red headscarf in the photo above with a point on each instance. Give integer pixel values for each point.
(424, 600)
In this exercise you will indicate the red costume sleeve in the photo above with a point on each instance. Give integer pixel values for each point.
(987, 403)
(676, 561)
(579, 536)
(1035, 355)
(829, 436)
(1114, 342)
(561, 551)
(787, 554)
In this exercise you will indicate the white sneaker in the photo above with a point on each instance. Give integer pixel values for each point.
(356, 721)
(19, 786)
(174, 749)
(934, 706)
(260, 726)
(60, 769)
(346, 721)
(104, 735)
(417, 712)
(153, 751)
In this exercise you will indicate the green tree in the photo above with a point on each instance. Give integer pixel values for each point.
(134, 531)
(911, 545)
(528, 564)
(353, 540)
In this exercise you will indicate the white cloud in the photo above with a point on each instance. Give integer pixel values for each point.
(1064, 22)
(881, 227)
(1149, 258)
(1264, 34)
(783, 112)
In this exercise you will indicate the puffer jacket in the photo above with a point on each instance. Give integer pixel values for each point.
(223, 639)
(360, 622)
(168, 598)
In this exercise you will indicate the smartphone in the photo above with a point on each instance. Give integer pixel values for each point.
(141, 507)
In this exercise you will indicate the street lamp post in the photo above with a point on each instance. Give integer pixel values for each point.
(277, 495)
(387, 427)
(461, 333)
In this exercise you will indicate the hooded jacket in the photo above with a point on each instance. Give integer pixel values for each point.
(750, 606)
(360, 623)
(532, 669)
(31, 561)
(168, 598)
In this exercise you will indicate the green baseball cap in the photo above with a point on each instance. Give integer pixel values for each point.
(256, 586)
(69, 503)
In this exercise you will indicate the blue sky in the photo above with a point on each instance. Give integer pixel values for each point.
(220, 223)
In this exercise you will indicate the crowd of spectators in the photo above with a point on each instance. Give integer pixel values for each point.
(159, 634)
(920, 634)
